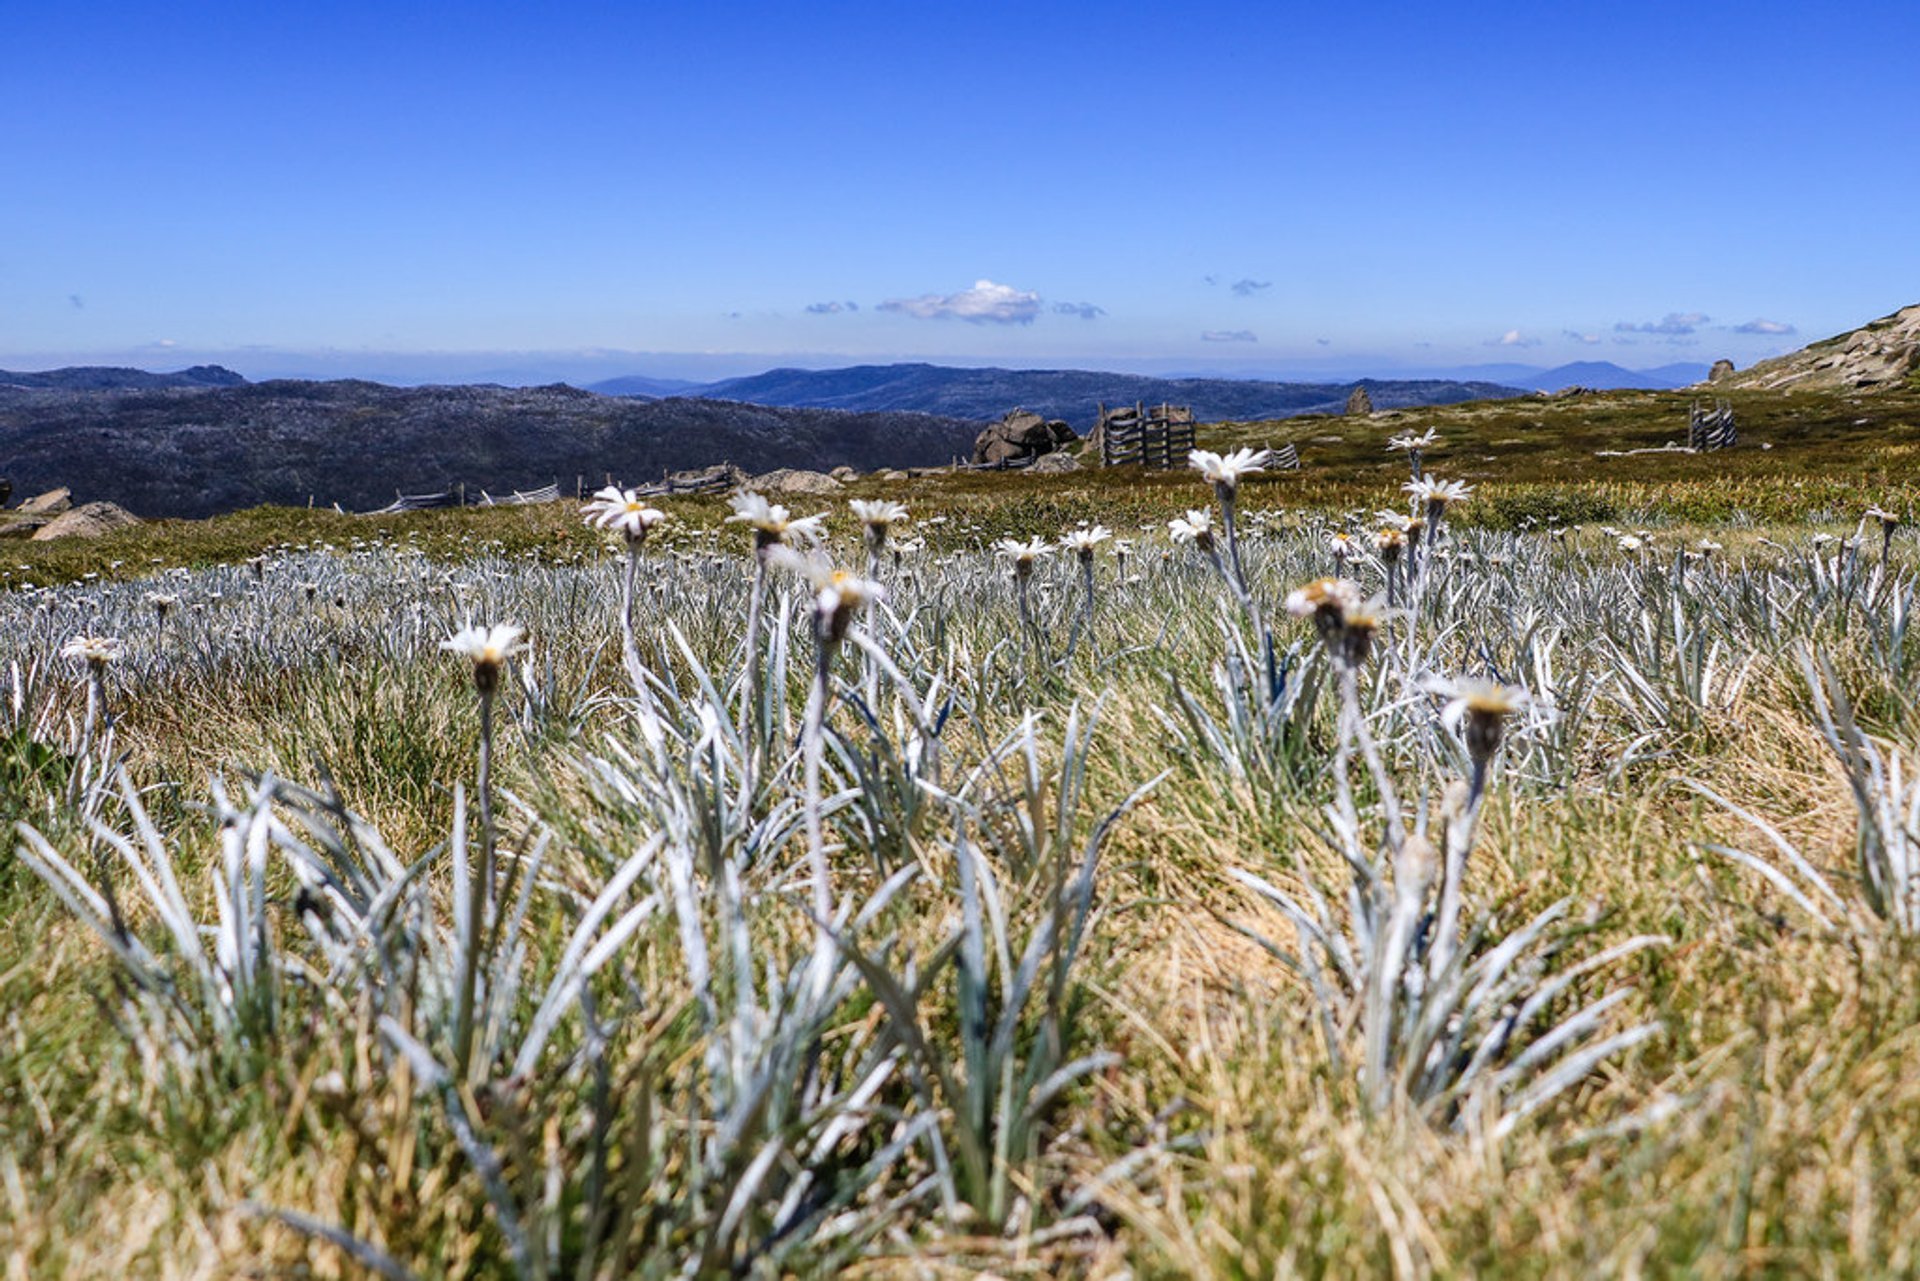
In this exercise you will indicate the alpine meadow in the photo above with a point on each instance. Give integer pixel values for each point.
(1410, 863)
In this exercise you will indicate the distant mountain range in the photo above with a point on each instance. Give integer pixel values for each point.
(205, 440)
(1071, 395)
(115, 378)
(1601, 375)
(198, 451)
(640, 385)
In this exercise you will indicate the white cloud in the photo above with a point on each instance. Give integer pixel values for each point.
(830, 308)
(1674, 322)
(1228, 335)
(1247, 288)
(1765, 327)
(1084, 310)
(1513, 338)
(1574, 335)
(985, 303)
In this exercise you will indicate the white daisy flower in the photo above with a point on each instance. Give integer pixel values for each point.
(623, 510)
(1223, 471)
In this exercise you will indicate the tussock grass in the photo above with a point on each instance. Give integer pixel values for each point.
(1048, 1029)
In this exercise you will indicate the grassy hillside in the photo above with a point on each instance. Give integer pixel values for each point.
(1804, 457)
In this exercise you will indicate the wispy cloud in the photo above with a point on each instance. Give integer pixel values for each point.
(1084, 310)
(1513, 338)
(830, 308)
(1228, 335)
(79, 303)
(984, 304)
(1574, 335)
(1247, 288)
(1674, 322)
(1765, 327)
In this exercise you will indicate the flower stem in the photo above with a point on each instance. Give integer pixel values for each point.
(479, 895)
(813, 732)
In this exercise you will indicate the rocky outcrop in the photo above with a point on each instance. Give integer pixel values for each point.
(1883, 354)
(1054, 464)
(717, 479)
(1019, 436)
(1359, 404)
(89, 520)
(1721, 371)
(51, 503)
(793, 480)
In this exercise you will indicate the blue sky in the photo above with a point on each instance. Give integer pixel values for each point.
(692, 190)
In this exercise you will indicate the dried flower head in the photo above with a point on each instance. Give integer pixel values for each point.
(838, 594)
(1325, 601)
(1480, 708)
(1195, 527)
(1358, 624)
(488, 648)
(877, 517)
(95, 651)
(772, 525)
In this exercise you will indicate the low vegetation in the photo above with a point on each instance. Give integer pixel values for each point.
(1519, 880)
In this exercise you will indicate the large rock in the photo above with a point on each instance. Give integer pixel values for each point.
(793, 480)
(1051, 464)
(89, 520)
(707, 480)
(51, 503)
(1721, 371)
(1359, 404)
(22, 526)
(1020, 435)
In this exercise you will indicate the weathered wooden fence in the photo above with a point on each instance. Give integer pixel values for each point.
(416, 503)
(1160, 438)
(1708, 430)
(522, 498)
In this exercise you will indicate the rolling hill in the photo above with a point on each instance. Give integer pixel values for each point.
(1071, 395)
(196, 452)
(115, 378)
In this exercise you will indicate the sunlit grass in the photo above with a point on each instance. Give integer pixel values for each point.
(1040, 1023)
